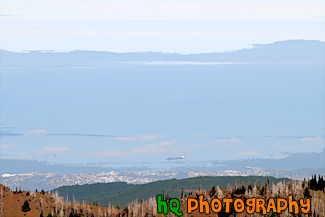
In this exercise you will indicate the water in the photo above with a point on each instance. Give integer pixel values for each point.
(149, 112)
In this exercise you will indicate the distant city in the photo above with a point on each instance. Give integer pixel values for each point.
(33, 174)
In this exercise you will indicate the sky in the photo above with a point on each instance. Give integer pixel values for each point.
(128, 113)
(168, 26)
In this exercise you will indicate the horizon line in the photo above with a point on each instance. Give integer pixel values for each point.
(250, 47)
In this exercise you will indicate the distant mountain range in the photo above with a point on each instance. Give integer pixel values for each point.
(292, 162)
(298, 51)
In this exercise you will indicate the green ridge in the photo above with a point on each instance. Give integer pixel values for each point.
(121, 193)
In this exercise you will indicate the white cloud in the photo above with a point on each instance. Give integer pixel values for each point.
(150, 137)
(166, 143)
(313, 139)
(145, 149)
(54, 149)
(126, 138)
(37, 131)
(141, 151)
(7, 146)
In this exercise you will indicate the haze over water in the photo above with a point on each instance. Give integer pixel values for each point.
(149, 112)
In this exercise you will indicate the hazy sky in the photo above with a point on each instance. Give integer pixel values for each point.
(129, 112)
(170, 26)
(135, 112)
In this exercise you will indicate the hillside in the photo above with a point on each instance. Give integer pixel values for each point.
(120, 193)
(39, 204)
(45, 205)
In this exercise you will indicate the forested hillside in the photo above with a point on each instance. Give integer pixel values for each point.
(119, 193)
(20, 203)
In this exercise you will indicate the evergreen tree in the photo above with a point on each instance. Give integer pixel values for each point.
(249, 188)
(213, 191)
(321, 183)
(317, 185)
(306, 193)
(25, 207)
(243, 190)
